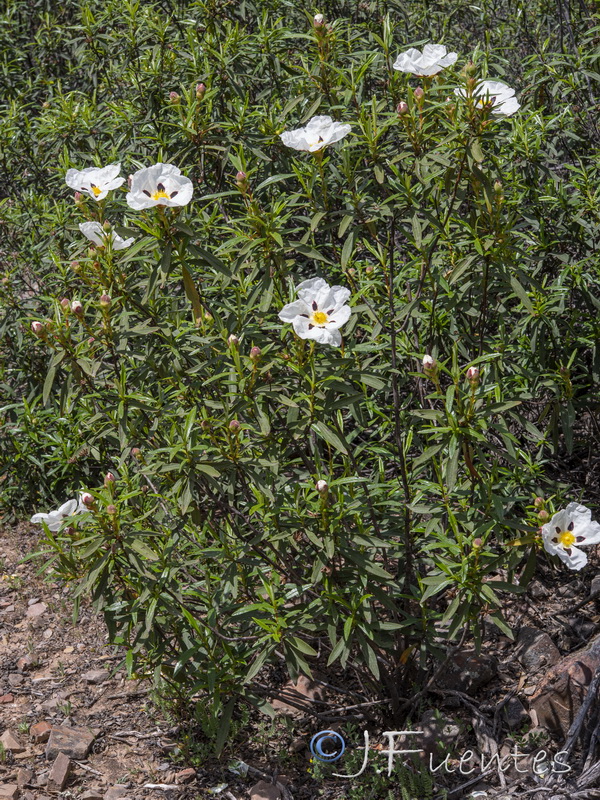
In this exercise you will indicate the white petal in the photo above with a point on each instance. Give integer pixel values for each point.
(39, 518)
(292, 310)
(341, 295)
(139, 201)
(340, 317)
(308, 290)
(67, 508)
(295, 139)
(93, 231)
(507, 108)
(579, 515)
(119, 243)
(576, 560)
(327, 335)
(591, 533)
(301, 327)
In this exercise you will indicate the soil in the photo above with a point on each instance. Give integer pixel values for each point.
(65, 673)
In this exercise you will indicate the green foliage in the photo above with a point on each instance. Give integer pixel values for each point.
(463, 235)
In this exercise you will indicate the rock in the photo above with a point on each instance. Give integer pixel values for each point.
(300, 693)
(36, 610)
(559, 695)
(73, 742)
(93, 794)
(514, 713)
(583, 627)
(33, 601)
(595, 586)
(11, 742)
(186, 775)
(50, 705)
(535, 649)
(115, 792)
(40, 732)
(537, 590)
(69, 649)
(264, 791)
(59, 774)
(48, 633)
(96, 676)
(468, 671)
(9, 791)
(24, 663)
(439, 733)
(24, 777)
(6, 698)
(15, 679)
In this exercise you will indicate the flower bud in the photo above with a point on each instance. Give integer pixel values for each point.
(419, 93)
(402, 108)
(538, 502)
(129, 181)
(473, 375)
(543, 515)
(318, 20)
(477, 543)
(471, 84)
(233, 340)
(234, 426)
(369, 270)
(109, 478)
(111, 509)
(64, 304)
(38, 328)
(429, 365)
(107, 226)
(91, 340)
(498, 187)
(322, 487)
(92, 252)
(255, 354)
(105, 300)
(470, 68)
(78, 198)
(241, 177)
(75, 266)
(136, 452)
(174, 98)
(205, 425)
(87, 499)
(76, 307)
(200, 90)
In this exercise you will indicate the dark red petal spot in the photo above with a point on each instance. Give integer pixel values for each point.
(571, 525)
(146, 192)
(310, 327)
(160, 187)
(331, 310)
(555, 540)
(314, 305)
(303, 315)
(174, 193)
(580, 539)
(568, 551)
(558, 530)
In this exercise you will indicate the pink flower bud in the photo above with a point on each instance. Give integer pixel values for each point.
(200, 90)
(105, 300)
(76, 307)
(87, 499)
(538, 502)
(111, 509)
(477, 543)
(419, 93)
(234, 426)
(322, 487)
(136, 452)
(109, 478)
(233, 340)
(318, 20)
(38, 328)
(107, 226)
(91, 340)
(241, 177)
(64, 303)
(402, 108)
(255, 354)
(75, 266)
(473, 375)
(543, 515)
(174, 97)
(78, 198)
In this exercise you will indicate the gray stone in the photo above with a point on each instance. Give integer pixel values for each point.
(73, 742)
(514, 713)
(468, 671)
(96, 676)
(535, 649)
(59, 774)
(439, 733)
(10, 741)
(36, 610)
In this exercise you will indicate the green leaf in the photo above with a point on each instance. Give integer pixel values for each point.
(329, 436)
(192, 294)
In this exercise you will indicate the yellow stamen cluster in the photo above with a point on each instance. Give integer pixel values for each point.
(96, 191)
(566, 538)
(160, 195)
(319, 318)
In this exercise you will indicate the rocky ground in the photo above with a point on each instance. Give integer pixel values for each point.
(72, 725)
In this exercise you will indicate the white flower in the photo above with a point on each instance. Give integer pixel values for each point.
(55, 518)
(159, 185)
(500, 96)
(428, 362)
(96, 234)
(319, 132)
(95, 181)
(432, 60)
(319, 312)
(567, 528)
